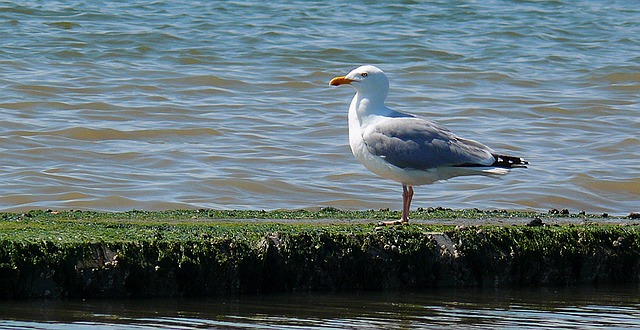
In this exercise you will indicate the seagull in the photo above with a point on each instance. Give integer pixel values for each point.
(408, 149)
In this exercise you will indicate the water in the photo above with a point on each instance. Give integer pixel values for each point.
(566, 308)
(207, 104)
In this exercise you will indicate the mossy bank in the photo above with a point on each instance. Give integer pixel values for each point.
(206, 252)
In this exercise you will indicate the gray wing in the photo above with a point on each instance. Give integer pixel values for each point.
(421, 144)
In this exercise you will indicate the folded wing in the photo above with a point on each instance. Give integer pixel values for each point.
(421, 144)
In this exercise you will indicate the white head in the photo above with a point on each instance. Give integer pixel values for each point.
(368, 80)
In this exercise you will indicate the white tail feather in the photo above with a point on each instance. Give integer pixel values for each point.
(496, 170)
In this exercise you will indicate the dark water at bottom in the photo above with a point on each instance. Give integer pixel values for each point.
(565, 307)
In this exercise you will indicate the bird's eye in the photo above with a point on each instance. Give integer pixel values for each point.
(364, 74)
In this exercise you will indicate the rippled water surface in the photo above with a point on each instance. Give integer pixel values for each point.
(551, 308)
(205, 104)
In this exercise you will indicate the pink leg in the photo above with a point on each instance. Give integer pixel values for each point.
(407, 196)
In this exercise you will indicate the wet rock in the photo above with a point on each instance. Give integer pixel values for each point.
(461, 227)
(275, 239)
(634, 215)
(559, 212)
(618, 242)
(536, 222)
(290, 259)
(438, 209)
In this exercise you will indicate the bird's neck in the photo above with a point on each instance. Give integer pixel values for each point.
(366, 110)
(365, 105)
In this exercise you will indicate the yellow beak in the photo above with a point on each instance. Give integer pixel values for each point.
(337, 81)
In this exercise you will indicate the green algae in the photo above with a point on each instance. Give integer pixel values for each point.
(207, 252)
(521, 255)
(302, 214)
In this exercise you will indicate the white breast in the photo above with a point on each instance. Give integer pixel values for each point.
(377, 164)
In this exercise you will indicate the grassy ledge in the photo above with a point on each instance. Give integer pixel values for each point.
(211, 252)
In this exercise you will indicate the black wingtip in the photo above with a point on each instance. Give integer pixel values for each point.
(509, 161)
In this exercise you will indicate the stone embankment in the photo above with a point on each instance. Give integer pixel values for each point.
(52, 255)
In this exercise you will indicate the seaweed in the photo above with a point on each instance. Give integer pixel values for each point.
(208, 252)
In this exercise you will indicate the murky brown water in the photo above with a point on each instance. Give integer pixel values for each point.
(533, 308)
(182, 104)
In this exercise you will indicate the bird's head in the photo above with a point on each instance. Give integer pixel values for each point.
(367, 80)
